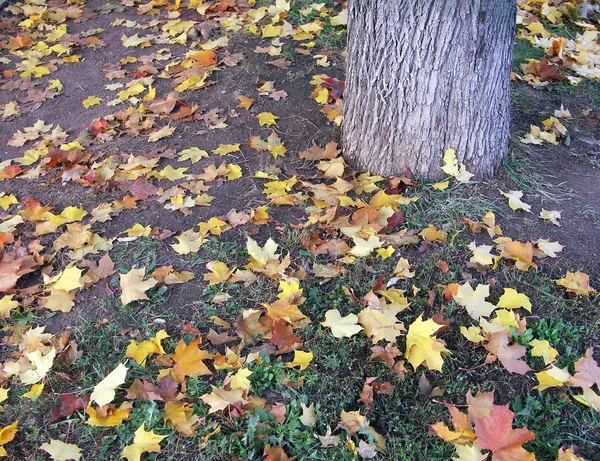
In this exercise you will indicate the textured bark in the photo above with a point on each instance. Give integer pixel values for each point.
(425, 75)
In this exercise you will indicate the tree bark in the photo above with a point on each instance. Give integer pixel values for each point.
(425, 75)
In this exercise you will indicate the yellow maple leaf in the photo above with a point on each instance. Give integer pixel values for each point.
(577, 282)
(39, 366)
(214, 225)
(60, 450)
(7, 434)
(189, 242)
(264, 254)
(341, 327)
(143, 442)
(7, 200)
(542, 348)
(188, 360)
(552, 377)
(91, 101)
(301, 359)
(422, 346)
(240, 379)
(380, 324)
(233, 171)
(219, 272)
(193, 154)
(180, 416)
(481, 254)
(472, 333)
(55, 85)
(165, 131)
(245, 102)
(34, 392)
(225, 149)
(432, 234)
(267, 118)
(512, 299)
(452, 168)
(104, 391)
(474, 300)
(7, 304)
(271, 31)
(108, 415)
(133, 286)
(219, 399)
(514, 200)
(140, 352)
(364, 247)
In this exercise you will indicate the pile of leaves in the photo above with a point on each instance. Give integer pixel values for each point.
(53, 256)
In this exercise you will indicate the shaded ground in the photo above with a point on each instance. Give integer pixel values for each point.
(564, 177)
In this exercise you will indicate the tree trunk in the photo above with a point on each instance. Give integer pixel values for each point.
(425, 75)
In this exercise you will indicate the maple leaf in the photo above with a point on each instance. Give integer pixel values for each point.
(380, 324)
(481, 254)
(542, 348)
(514, 200)
(521, 253)
(552, 377)
(388, 354)
(189, 242)
(140, 352)
(143, 442)
(133, 286)
(267, 118)
(104, 391)
(7, 304)
(165, 131)
(552, 216)
(245, 102)
(452, 168)
(189, 360)
(61, 451)
(547, 248)
(301, 359)
(240, 379)
(587, 371)
(179, 415)
(69, 404)
(577, 282)
(7, 434)
(510, 356)
(422, 347)
(341, 327)
(511, 299)
(91, 101)
(495, 433)
(474, 300)
(469, 453)
(219, 399)
(225, 149)
(462, 434)
(219, 272)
